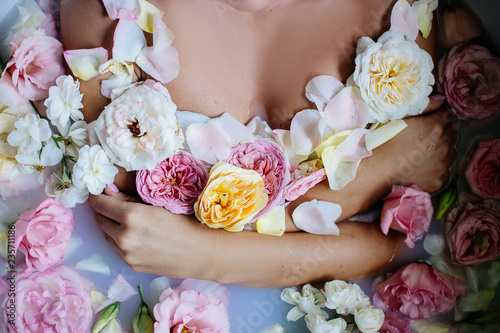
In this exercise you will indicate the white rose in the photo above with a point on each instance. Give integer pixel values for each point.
(309, 301)
(344, 297)
(369, 319)
(317, 324)
(394, 76)
(139, 129)
(93, 170)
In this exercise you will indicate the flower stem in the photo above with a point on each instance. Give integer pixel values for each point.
(36, 110)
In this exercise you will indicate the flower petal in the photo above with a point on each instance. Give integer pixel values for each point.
(208, 142)
(321, 89)
(423, 11)
(317, 217)
(347, 110)
(353, 148)
(285, 140)
(84, 63)
(146, 19)
(120, 290)
(338, 172)
(383, 133)
(162, 65)
(272, 223)
(304, 131)
(10, 96)
(95, 264)
(208, 287)
(128, 41)
(403, 19)
(97, 299)
(122, 9)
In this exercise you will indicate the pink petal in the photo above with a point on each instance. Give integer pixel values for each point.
(208, 287)
(208, 142)
(304, 131)
(162, 36)
(403, 19)
(162, 65)
(120, 290)
(84, 63)
(347, 110)
(122, 9)
(321, 89)
(317, 217)
(128, 41)
(353, 148)
(9, 96)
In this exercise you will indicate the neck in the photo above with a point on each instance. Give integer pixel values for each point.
(252, 5)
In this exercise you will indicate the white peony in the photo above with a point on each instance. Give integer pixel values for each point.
(93, 170)
(394, 76)
(310, 301)
(30, 131)
(344, 297)
(369, 319)
(64, 102)
(317, 324)
(139, 129)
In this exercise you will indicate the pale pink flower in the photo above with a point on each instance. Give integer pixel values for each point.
(269, 161)
(43, 234)
(174, 183)
(56, 300)
(301, 185)
(483, 171)
(407, 210)
(36, 63)
(419, 291)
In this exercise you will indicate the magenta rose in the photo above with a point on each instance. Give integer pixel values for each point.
(269, 161)
(43, 234)
(419, 291)
(469, 77)
(174, 183)
(184, 309)
(483, 170)
(473, 233)
(56, 300)
(407, 210)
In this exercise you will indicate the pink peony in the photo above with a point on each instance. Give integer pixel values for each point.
(419, 291)
(473, 233)
(43, 234)
(469, 76)
(56, 300)
(36, 63)
(183, 309)
(174, 183)
(269, 161)
(407, 210)
(483, 171)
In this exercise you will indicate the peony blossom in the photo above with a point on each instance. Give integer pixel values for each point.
(139, 129)
(344, 298)
(419, 291)
(64, 102)
(407, 210)
(369, 319)
(36, 63)
(309, 301)
(269, 161)
(394, 76)
(93, 170)
(43, 234)
(185, 309)
(232, 197)
(469, 77)
(483, 171)
(60, 294)
(174, 183)
(473, 233)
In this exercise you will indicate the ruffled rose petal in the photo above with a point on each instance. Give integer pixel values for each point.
(128, 41)
(146, 19)
(122, 9)
(321, 89)
(84, 63)
(384, 133)
(207, 287)
(304, 131)
(403, 19)
(95, 264)
(347, 110)
(284, 139)
(261, 128)
(317, 217)
(273, 223)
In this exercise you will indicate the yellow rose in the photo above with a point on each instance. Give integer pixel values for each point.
(232, 197)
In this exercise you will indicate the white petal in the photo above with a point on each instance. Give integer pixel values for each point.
(120, 290)
(317, 217)
(339, 173)
(114, 82)
(128, 41)
(294, 314)
(353, 148)
(272, 223)
(384, 133)
(236, 131)
(285, 140)
(97, 299)
(51, 155)
(95, 264)
(186, 118)
(304, 131)
(146, 19)
(208, 142)
(433, 243)
(403, 19)
(347, 110)
(261, 128)
(162, 35)
(156, 288)
(84, 63)
(321, 89)
(122, 9)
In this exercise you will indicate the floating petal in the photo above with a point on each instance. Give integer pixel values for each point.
(84, 63)
(128, 41)
(347, 110)
(317, 217)
(95, 264)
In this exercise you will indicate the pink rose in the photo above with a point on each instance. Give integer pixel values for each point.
(301, 185)
(394, 323)
(469, 76)
(269, 161)
(43, 234)
(36, 63)
(419, 291)
(407, 210)
(483, 170)
(174, 183)
(473, 233)
(56, 300)
(183, 309)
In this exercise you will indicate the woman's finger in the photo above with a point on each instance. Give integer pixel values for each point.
(109, 206)
(109, 226)
(114, 192)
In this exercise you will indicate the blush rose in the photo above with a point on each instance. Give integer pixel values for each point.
(407, 210)
(419, 291)
(483, 171)
(43, 234)
(174, 183)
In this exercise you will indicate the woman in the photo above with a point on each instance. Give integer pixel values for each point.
(249, 58)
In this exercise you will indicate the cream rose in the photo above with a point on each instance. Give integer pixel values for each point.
(232, 197)
(394, 76)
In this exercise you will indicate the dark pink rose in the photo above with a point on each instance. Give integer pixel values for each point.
(174, 183)
(473, 233)
(407, 210)
(269, 161)
(56, 300)
(469, 77)
(395, 323)
(419, 291)
(43, 234)
(483, 170)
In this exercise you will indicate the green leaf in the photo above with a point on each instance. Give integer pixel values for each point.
(445, 202)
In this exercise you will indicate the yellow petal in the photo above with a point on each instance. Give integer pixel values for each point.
(383, 133)
(273, 223)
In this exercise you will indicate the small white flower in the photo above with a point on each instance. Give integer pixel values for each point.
(369, 319)
(50, 155)
(276, 328)
(29, 134)
(65, 192)
(310, 301)
(344, 297)
(93, 170)
(317, 324)
(74, 138)
(64, 102)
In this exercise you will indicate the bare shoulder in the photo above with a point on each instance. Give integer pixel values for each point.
(85, 24)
